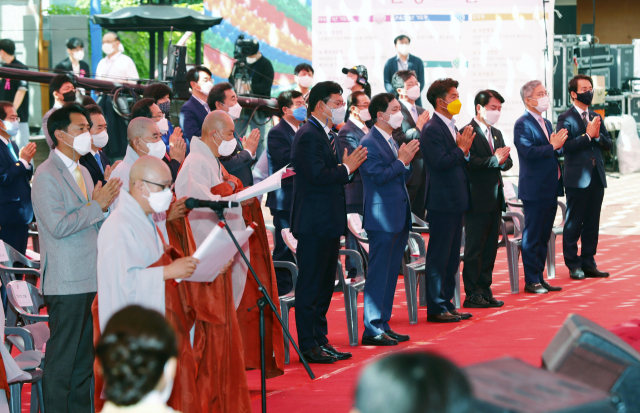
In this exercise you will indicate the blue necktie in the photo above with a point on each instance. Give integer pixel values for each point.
(11, 151)
(97, 156)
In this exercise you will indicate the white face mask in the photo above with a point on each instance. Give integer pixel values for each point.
(159, 202)
(252, 60)
(107, 48)
(403, 49)
(364, 115)
(348, 83)
(305, 81)
(100, 139)
(163, 125)
(81, 143)
(12, 128)
(490, 116)
(543, 104)
(78, 55)
(395, 120)
(206, 87)
(337, 115)
(413, 93)
(234, 111)
(225, 148)
(157, 149)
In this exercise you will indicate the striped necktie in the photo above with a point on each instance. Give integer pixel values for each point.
(584, 118)
(332, 141)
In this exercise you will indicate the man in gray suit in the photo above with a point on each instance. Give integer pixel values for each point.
(69, 212)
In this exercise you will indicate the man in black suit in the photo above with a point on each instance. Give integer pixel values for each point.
(63, 91)
(489, 156)
(350, 135)
(239, 163)
(74, 63)
(407, 90)
(446, 153)
(319, 216)
(584, 179)
(96, 161)
(193, 112)
(403, 61)
(279, 142)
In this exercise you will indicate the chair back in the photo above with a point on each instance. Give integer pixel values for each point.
(14, 257)
(418, 222)
(25, 299)
(290, 240)
(416, 246)
(511, 195)
(354, 223)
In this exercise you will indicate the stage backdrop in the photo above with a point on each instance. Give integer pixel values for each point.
(484, 44)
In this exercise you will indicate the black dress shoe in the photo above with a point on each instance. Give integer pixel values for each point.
(493, 302)
(396, 336)
(535, 289)
(576, 274)
(463, 316)
(319, 356)
(549, 287)
(330, 350)
(379, 340)
(475, 301)
(594, 273)
(445, 317)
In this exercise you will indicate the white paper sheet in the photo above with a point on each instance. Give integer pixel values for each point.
(20, 292)
(3, 252)
(270, 184)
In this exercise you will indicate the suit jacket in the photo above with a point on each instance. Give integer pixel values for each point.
(239, 163)
(391, 67)
(319, 206)
(580, 151)
(15, 191)
(66, 67)
(384, 178)
(484, 172)
(68, 228)
(406, 133)
(350, 136)
(89, 162)
(538, 160)
(191, 117)
(446, 173)
(279, 141)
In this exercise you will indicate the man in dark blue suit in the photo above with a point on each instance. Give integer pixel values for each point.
(540, 182)
(279, 142)
(96, 161)
(387, 216)
(445, 152)
(16, 171)
(194, 111)
(584, 179)
(350, 135)
(319, 216)
(239, 162)
(403, 61)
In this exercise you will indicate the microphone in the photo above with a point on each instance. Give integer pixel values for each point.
(192, 203)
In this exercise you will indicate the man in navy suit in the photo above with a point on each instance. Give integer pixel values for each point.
(445, 152)
(350, 135)
(238, 163)
(319, 216)
(279, 142)
(16, 171)
(194, 111)
(403, 61)
(584, 179)
(540, 182)
(387, 216)
(96, 162)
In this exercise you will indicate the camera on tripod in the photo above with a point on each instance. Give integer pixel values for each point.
(241, 78)
(245, 48)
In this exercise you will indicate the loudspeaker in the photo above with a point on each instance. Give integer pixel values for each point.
(622, 69)
(512, 386)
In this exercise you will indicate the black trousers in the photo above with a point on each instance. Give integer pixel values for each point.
(68, 366)
(281, 252)
(583, 222)
(480, 250)
(317, 262)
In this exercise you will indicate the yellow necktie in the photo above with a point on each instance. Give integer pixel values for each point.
(80, 180)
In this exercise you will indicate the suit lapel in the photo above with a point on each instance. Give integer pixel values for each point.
(288, 129)
(446, 129)
(383, 142)
(581, 128)
(319, 127)
(407, 115)
(538, 127)
(67, 175)
(480, 133)
(7, 152)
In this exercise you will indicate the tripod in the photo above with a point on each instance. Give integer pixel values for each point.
(261, 304)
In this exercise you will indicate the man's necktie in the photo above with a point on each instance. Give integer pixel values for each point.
(414, 113)
(365, 129)
(546, 133)
(332, 141)
(80, 180)
(393, 147)
(489, 139)
(97, 156)
(12, 152)
(584, 118)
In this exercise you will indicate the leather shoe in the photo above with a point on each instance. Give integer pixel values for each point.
(475, 301)
(319, 356)
(549, 287)
(445, 317)
(379, 340)
(535, 289)
(493, 302)
(595, 273)
(330, 350)
(576, 274)
(397, 336)
(463, 316)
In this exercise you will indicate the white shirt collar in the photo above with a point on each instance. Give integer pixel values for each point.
(357, 122)
(68, 162)
(384, 134)
(200, 100)
(535, 115)
(294, 127)
(114, 57)
(580, 111)
(482, 126)
(404, 62)
(408, 105)
(4, 140)
(325, 127)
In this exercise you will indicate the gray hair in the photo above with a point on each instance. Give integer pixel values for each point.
(527, 90)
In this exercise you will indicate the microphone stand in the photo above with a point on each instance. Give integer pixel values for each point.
(261, 304)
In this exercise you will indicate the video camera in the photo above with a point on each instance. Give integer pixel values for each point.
(245, 48)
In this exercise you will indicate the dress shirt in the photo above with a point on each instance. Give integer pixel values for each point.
(359, 124)
(294, 127)
(543, 124)
(487, 134)
(71, 166)
(25, 163)
(402, 64)
(412, 109)
(327, 130)
(391, 143)
(97, 158)
(203, 103)
(119, 67)
(451, 124)
(580, 112)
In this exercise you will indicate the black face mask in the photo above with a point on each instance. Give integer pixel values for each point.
(69, 96)
(585, 97)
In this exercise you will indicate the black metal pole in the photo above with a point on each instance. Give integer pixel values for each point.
(263, 378)
(160, 55)
(198, 48)
(152, 54)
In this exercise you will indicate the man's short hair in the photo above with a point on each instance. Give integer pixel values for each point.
(285, 99)
(527, 89)
(58, 81)
(380, 103)
(573, 83)
(74, 43)
(218, 93)
(194, 74)
(322, 92)
(8, 46)
(61, 119)
(398, 79)
(439, 90)
(3, 109)
(401, 37)
(114, 33)
(88, 100)
(484, 96)
(303, 66)
(94, 110)
(413, 382)
(157, 91)
(142, 108)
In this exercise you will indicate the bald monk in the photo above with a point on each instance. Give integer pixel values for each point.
(203, 177)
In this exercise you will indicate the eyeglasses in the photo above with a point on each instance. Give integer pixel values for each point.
(169, 186)
(410, 85)
(158, 117)
(339, 103)
(13, 119)
(363, 105)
